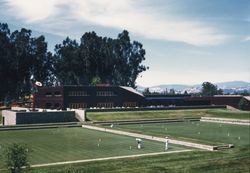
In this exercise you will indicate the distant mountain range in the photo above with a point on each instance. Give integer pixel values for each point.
(227, 87)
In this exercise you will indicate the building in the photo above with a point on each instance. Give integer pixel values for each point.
(106, 96)
(101, 96)
(230, 100)
(175, 100)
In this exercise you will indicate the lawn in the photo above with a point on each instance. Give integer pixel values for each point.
(236, 160)
(230, 161)
(68, 144)
(0, 116)
(202, 132)
(194, 113)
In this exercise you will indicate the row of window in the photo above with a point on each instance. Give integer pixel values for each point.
(101, 105)
(53, 106)
(56, 94)
(77, 105)
(105, 93)
(78, 93)
(84, 93)
(84, 105)
(130, 104)
(105, 105)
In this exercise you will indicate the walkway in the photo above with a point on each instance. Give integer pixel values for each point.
(107, 158)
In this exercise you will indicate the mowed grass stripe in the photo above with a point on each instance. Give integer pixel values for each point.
(201, 132)
(66, 144)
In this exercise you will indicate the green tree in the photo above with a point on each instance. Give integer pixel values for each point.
(209, 89)
(68, 67)
(128, 59)
(243, 103)
(17, 157)
(114, 61)
(172, 91)
(22, 56)
(146, 91)
(96, 80)
(6, 55)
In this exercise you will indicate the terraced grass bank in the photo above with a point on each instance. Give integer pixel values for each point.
(195, 113)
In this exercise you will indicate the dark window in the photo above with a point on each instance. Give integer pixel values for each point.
(57, 106)
(77, 105)
(58, 93)
(105, 105)
(105, 93)
(48, 94)
(48, 105)
(130, 104)
(77, 93)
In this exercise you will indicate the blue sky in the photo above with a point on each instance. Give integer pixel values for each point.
(186, 41)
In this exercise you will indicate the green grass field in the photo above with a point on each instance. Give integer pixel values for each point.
(195, 113)
(53, 145)
(202, 132)
(234, 160)
(68, 144)
(231, 161)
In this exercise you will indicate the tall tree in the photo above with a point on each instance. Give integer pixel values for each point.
(209, 89)
(114, 61)
(42, 64)
(21, 57)
(5, 56)
(68, 67)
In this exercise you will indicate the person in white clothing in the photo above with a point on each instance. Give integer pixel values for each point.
(166, 143)
(139, 143)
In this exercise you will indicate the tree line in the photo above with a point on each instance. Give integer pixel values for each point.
(94, 60)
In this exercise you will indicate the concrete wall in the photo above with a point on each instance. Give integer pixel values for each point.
(80, 114)
(22, 117)
(45, 117)
(9, 117)
(19, 109)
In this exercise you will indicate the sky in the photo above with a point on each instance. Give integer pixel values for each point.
(186, 41)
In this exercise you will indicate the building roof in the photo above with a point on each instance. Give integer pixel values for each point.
(132, 90)
(247, 98)
(227, 95)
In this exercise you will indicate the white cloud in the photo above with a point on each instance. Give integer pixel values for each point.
(246, 38)
(31, 10)
(118, 14)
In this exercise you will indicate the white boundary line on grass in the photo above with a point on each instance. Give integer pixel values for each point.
(106, 158)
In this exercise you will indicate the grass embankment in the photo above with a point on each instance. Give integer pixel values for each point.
(231, 161)
(201, 132)
(69, 144)
(195, 113)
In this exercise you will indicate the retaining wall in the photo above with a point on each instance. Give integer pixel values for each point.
(155, 108)
(225, 120)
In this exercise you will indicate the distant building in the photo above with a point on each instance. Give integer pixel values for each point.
(106, 96)
(75, 97)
